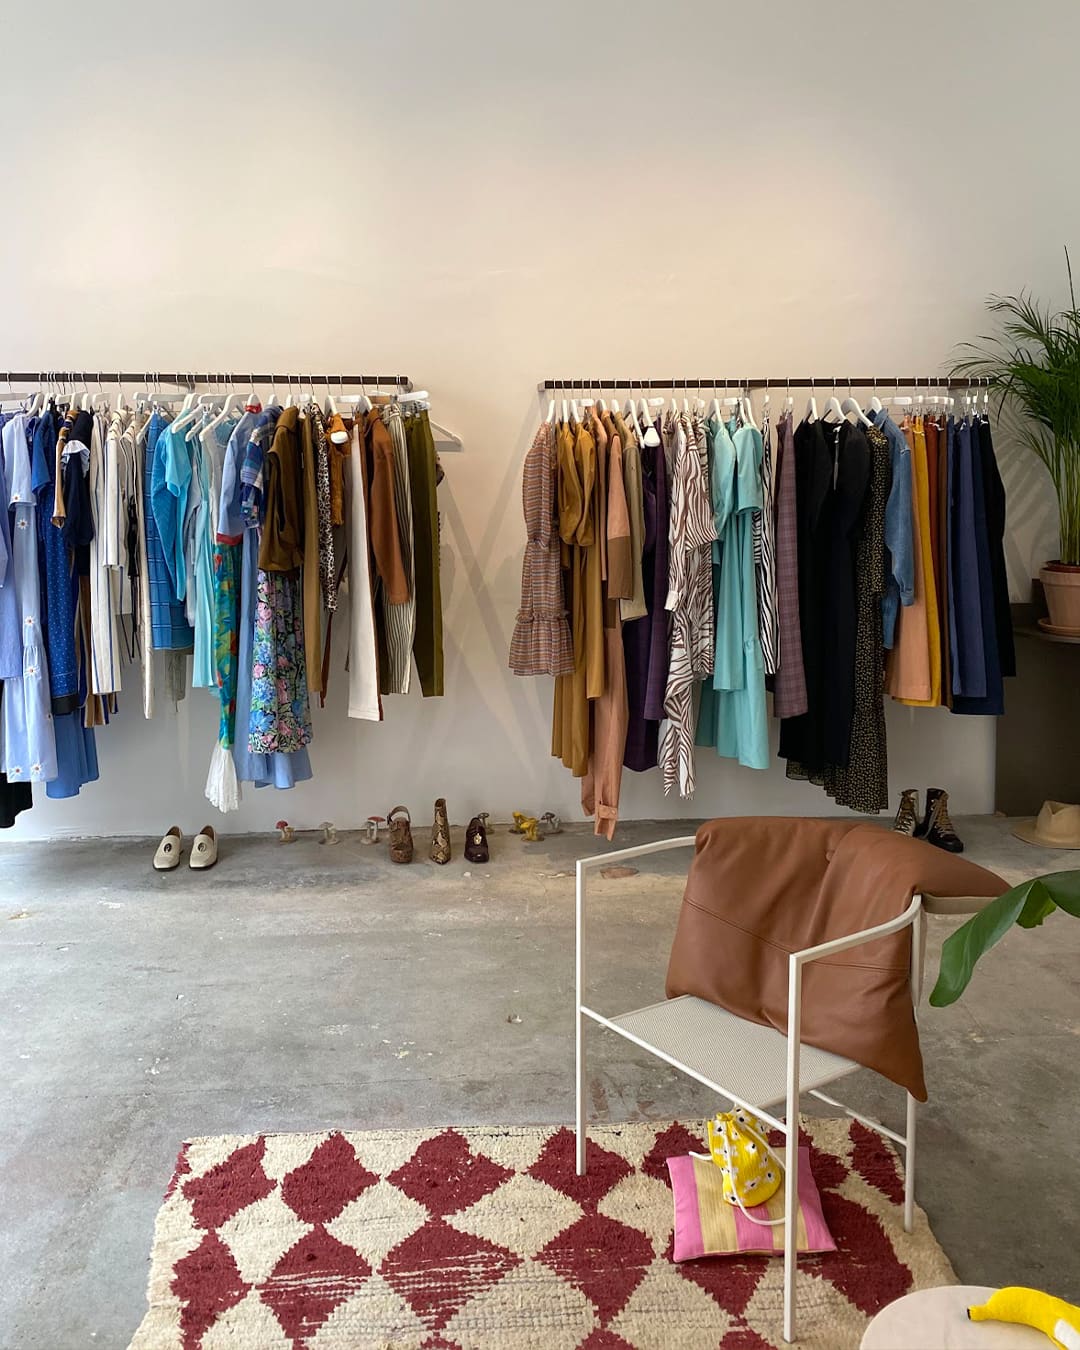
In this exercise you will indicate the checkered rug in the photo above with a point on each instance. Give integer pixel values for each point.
(485, 1239)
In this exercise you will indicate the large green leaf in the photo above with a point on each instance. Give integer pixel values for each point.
(1027, 905)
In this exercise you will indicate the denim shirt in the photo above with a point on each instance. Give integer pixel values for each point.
(900, 583)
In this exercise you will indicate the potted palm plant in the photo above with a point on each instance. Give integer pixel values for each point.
(1033, 364)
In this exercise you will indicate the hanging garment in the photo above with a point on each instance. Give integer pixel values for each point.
(199, 563)
(137, 553)
(169, 628)
(313, 633)
(577, 483)
(690, 600)
(992, 704)
(738, 727)
(722, 490)
(789, 690)
(899, 538)
(77, 529)
(112, 489)
(936, 447)
(327, 565)
(399, 617)
(862, 784)
(802, 736)
(428, 641)
(280, 769)
(363, 662)
(280, 710)
(635, 606)
(14, 797)
(58, 612)
(28, 742)
(540, 644)
(994, 497)
(645, 640)
(968, 668)
(169, 490)
(11, 652)
(601, 786)
(908, 670)
(765, 559)
(946, 613)
(851, 456)
(392, 587)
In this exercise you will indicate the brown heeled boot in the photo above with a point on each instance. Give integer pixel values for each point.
(440, 833)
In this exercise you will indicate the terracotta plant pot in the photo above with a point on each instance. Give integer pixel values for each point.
(1061, 585)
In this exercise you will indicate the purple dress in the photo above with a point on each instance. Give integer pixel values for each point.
(645, 640)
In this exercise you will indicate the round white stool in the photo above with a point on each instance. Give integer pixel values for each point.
(936, 1319)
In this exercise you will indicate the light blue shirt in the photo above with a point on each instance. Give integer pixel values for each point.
(900, 583)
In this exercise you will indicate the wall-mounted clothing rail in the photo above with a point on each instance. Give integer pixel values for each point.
(782, 382)
(188, 377)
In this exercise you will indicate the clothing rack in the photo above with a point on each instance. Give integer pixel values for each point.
(785, 382)
(186, 377)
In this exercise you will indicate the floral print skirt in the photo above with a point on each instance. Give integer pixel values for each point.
(280, 712)
(227, 632)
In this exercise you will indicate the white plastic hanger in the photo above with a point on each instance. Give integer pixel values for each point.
(746, 410)
(851, 405)
(875, 403)
(811, 407)
(833, 409)
(901, 400)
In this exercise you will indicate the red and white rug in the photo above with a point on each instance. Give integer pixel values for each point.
(485, 1239)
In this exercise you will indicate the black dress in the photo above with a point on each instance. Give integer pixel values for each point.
(832, 473)
(863, 784)
(851, 451)
(994, 496)
(802, 737)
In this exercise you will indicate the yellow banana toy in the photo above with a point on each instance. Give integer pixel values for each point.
(1052, 1316)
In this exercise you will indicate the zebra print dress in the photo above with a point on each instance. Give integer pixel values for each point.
(765, 560)
(691, 532)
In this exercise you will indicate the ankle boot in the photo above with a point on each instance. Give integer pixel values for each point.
(440, 834)
(937, 826)
(476, 840)
(907, 813)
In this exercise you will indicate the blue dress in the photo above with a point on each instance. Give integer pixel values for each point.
(739, 728)
(11, 658)
(76, 752)
(169, 629)
(29, 741)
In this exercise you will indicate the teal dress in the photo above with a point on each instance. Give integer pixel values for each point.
(722, 493)
(733, 713)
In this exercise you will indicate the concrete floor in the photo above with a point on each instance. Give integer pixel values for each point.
(305, 986)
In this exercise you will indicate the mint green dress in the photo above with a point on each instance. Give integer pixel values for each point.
(733, 713)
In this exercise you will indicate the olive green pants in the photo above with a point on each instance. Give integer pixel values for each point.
(428, 638)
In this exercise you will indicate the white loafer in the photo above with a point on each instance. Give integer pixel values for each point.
(204, 849)
(168, 851)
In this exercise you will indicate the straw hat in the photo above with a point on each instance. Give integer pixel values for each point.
(1056, 826)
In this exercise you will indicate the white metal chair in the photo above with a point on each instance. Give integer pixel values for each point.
(750, 1065)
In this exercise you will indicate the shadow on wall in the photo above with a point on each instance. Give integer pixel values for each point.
(1031, 530)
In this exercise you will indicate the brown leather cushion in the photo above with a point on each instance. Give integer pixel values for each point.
(762, 887)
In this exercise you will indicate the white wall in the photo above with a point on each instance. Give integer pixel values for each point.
(482, 194)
